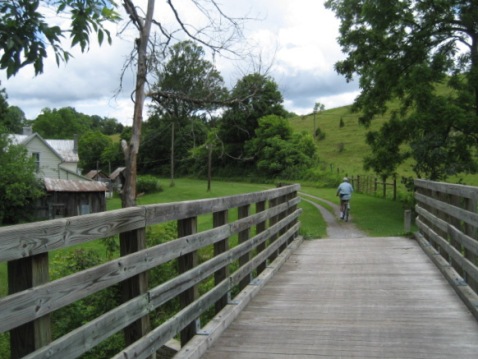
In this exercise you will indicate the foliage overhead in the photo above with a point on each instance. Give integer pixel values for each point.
(403, 50)
(26, 32)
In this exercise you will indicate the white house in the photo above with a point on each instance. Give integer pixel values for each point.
(54, 158)
(67, 192)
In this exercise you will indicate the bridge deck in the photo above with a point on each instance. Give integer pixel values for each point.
(353, 298)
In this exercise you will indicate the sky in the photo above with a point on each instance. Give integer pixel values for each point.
(295, 41)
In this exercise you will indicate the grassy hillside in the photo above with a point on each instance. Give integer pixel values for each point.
(344, 148)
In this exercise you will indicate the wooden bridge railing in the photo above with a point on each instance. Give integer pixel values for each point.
(25, 312)
(448, 223)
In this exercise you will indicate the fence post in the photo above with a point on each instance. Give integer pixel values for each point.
(273, 220)
(260, 207)
(219, 219)
(131, 242)
(23, 274)
(407, 218)
(186, 262)
(243, 236)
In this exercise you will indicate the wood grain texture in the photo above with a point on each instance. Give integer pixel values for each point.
(353, 298)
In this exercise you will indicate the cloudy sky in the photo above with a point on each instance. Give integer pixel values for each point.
(294, 40)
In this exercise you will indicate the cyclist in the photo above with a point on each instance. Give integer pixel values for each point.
(344, 191)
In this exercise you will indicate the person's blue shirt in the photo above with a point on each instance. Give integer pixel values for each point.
(345, 190)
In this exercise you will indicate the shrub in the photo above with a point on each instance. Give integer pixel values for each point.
(148, 184)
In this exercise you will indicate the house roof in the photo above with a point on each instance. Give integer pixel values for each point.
(117, 172)
(96, 173)
(65, 149)
(62, 185)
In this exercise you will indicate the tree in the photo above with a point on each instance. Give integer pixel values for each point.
(25, 32)
(277, 150)
(187, 86)
(318, 107)
(256, 96)
(3, 105)
(19, 188)
(14, 120)
(61, 123)
(106, 125)
(217, 32)
(423, 54)
(91, 147)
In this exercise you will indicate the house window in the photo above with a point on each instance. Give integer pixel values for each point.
(36, 158)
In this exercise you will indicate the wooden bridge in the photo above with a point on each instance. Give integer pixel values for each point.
(248, 286)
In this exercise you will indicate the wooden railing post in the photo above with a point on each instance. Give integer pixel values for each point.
(186, 262)
(131, 242)
(282, 215)
(273, 220)
(219, 219)
(292, 209)
(260, 207)
(243, 236)
(407, 221)
(23, 274)
(471, 205)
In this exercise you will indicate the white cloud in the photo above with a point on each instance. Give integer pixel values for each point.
(298, 38)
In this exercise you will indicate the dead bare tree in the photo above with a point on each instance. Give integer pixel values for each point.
(219, 34)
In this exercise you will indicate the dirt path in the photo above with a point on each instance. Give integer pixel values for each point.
(336, 228)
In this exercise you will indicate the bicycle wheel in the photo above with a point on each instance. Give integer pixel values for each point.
(347, 210)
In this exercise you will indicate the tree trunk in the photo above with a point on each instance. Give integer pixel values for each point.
(131, 150)
(209, 166)
(134, 241)
(474, 68)
(171, 184)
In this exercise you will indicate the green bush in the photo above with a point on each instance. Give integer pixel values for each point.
(78, 313)
(148, 184)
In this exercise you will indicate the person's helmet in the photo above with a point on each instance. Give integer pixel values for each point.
(346, 179)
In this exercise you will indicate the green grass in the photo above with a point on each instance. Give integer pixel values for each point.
(186, 189)
(344, 148)
(312, 225)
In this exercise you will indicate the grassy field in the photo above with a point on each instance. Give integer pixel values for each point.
(343, 148)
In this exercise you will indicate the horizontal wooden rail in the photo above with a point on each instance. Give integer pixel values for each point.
(34, 304)
(448, 223)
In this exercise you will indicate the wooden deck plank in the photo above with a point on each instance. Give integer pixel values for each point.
(353, 298)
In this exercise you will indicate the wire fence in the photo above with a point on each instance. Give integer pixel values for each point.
(372, 185)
